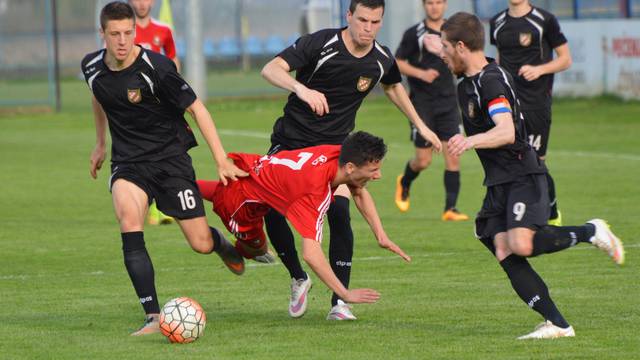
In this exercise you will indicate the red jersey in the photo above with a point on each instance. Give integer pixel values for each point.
(296, 183)
(156, 36)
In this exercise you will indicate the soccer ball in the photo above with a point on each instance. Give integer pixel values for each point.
(182, 320)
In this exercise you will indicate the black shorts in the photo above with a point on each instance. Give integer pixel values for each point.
(522, 203)
(442, 119)
(538, 125)
(171, 182)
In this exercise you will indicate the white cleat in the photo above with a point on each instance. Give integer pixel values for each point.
(151, 325)
(266, 258)
(606, 241)
(298, 301)
(547, 330)
(342, 311)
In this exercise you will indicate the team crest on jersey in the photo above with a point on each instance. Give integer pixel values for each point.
(134, 95)
(471, 109)
(525, 39)
(156, 40)
(364, 83)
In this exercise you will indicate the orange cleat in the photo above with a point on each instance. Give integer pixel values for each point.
(402, 195)
(454, 215)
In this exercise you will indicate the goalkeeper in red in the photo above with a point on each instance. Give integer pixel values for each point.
(300, 184)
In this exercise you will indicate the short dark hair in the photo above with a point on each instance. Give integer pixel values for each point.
(465, 27)
(371, 4)
(116, 10)
(361, 147)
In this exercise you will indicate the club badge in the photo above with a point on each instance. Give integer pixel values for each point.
(134, 95)
(471, 109)
(156, 40)
(363, 83)
(525, 39)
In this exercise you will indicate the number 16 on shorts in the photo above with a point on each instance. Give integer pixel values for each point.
(187, 200)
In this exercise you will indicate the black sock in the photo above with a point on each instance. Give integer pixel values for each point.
(282, 240)
(553, 202)
(140, 269)
(452, 188)
(532, 289)
(549, 239)
(216, 239)
(340, 242)
(409, 175)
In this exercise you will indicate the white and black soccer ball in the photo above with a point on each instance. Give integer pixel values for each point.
(182, 320)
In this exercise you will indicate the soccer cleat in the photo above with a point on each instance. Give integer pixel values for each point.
(547, 330)
(266, 258)
(153, 216)
(342, 311)
(229, 255)
(402, 195)
(606, 241)
(164, 219)
(299, 295)
(557, 221)
(454, 215)
(151, 325)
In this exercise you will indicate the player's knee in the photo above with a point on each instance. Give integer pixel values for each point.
(521, 248)
(201, 243)
(422, 163)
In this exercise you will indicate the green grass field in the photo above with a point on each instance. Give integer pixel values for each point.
(66, 293)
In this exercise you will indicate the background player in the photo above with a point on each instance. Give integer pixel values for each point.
(433, 96)
(300, 184)
(526, 38)
(335, 70)
(156, 36)
(143, 98)
(512, 223)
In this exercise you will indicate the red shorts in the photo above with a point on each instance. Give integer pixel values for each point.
(241, 216)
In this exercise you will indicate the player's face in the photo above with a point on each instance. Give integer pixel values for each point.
(435, 9)
(118, 37)
(361, 175)
(451, 57)
(142, 8)
(364, 24)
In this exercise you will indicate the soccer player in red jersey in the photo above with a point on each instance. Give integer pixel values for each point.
(153, 34)
(300, 184)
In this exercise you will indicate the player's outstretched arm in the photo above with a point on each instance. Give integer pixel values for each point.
(398, 95)
(226, 169)
(367, 207)
(426, 75)
(277, 71)
(99, 151)
(502, 134)
(313, 255)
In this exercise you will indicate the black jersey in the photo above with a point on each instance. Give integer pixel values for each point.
(323, 63)
(412, 50)
(145, 106)
(492, 90)
(527, 40)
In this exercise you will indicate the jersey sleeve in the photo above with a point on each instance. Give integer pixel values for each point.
(554, 35)
(174, 88)
(302, 52)
(393, 75)
(169, 45)
(307, 215)
(496, 95)
(408, 46)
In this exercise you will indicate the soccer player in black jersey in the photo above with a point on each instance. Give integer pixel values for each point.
(433, 96)
(335, 70)
(512, 223)
(526, 37)
(143, 99)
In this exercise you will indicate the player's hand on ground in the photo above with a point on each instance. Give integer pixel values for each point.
(97, 158)
(530, 72)
(458, 144)
(433, 43)
(386, 243)
(356, 296)
(228, 170)
(429, 75)
(315, 99)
